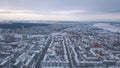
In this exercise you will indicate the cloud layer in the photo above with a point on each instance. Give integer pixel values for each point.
(60, 10)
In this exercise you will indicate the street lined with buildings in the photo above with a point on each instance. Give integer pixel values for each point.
(60, 46)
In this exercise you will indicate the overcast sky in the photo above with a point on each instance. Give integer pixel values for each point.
(77, 10)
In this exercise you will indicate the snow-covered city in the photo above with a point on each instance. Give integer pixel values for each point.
(60, 45)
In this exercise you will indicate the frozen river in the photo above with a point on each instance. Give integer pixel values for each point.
(107, 26)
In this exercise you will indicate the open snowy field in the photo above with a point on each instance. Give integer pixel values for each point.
(107, 26)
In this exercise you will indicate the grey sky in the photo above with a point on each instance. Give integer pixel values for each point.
(75, 7)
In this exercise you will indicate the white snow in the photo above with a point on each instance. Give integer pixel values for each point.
(107, 26)
(18, 35)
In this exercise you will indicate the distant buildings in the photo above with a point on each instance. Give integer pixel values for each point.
(8, 36)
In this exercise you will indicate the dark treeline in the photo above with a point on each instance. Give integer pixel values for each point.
(19, 25)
